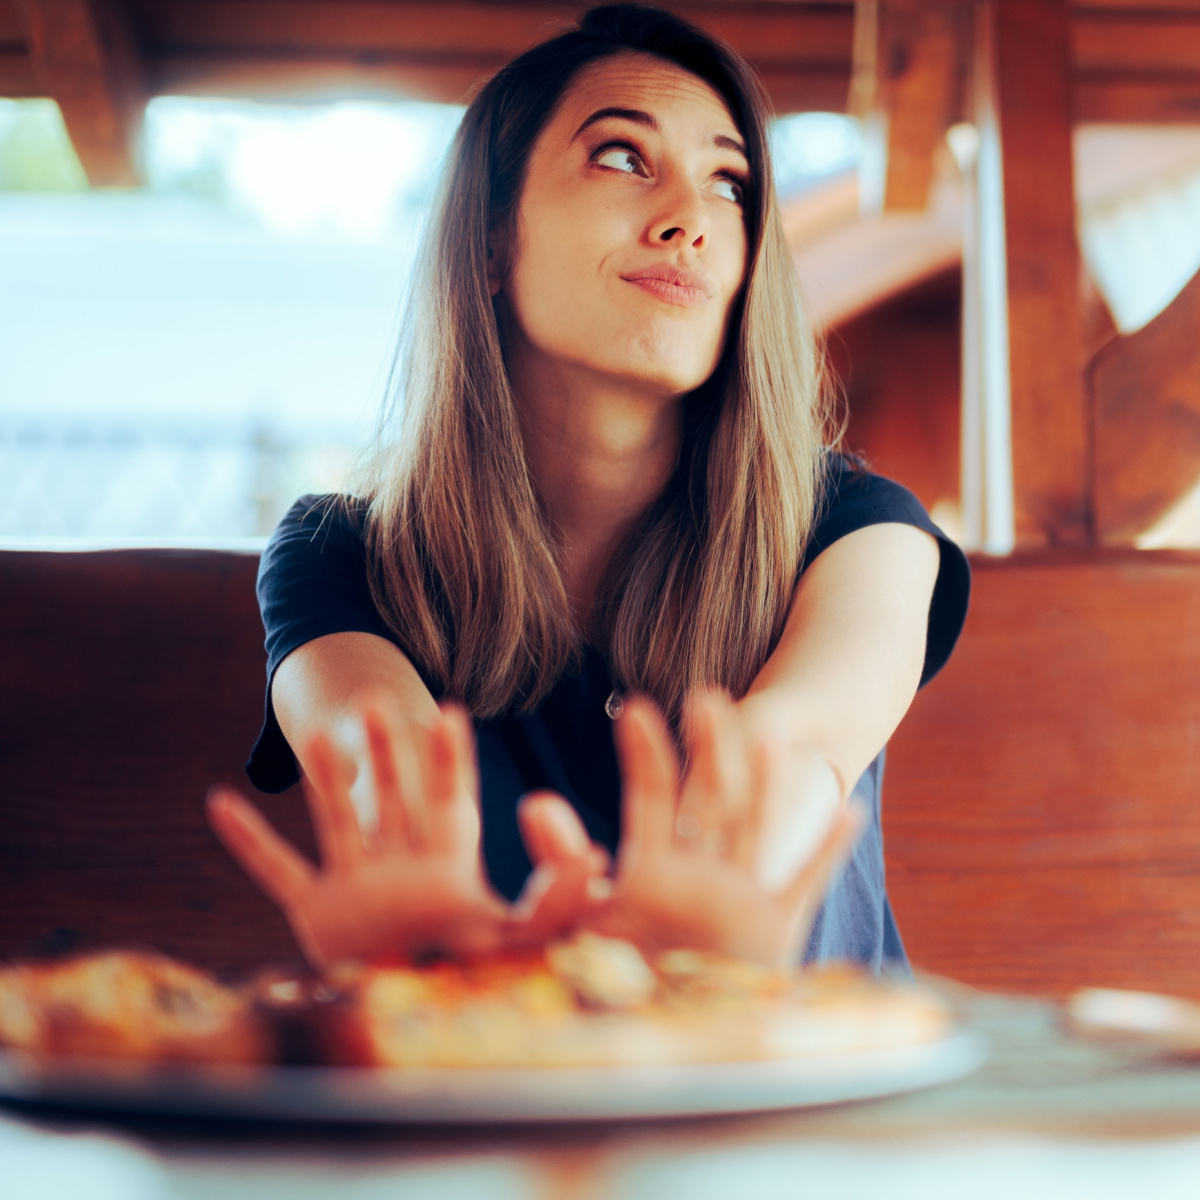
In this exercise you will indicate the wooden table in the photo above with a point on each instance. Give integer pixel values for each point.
(1048, 1116)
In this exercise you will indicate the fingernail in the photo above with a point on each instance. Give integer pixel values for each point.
(599, 888)
(569, 829)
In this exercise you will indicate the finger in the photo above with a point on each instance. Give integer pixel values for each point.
(763, 763)
(383, 743)
(554, 834)
(334, 820)
(716, 790)
(649, 777)
(808, 889)
(555, 900)
(453, 797)
(461, 740)
(275, 865)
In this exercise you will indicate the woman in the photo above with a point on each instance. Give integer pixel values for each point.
(600, 526)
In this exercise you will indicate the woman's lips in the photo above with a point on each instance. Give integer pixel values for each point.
(684, 290)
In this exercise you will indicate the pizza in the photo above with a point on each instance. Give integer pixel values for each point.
(128, 1004)
(597, 1001)
(586, 1002)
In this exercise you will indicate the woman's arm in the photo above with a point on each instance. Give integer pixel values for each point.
(849, 661)
(840, 680)
(321, 682)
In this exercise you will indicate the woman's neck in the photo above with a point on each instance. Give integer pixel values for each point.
(600, 455)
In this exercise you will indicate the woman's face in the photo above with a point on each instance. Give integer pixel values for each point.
(630, 233)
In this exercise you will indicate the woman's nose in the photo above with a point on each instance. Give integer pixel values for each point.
(682, 217)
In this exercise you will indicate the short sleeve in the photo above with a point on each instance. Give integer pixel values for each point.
(312, 581)
(855, 498)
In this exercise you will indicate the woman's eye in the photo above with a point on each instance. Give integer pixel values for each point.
(618, 158)
(729, 188)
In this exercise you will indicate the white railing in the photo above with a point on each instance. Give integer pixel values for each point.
(138, 485)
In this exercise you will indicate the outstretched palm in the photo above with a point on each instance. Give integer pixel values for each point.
(689, 870)
(417, 883)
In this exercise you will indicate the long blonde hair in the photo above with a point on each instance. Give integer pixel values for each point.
(462, 562)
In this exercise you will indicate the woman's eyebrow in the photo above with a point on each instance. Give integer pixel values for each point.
(636, 115)
(640, 117)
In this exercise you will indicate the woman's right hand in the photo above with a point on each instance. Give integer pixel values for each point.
(417, 884)
(689, 870)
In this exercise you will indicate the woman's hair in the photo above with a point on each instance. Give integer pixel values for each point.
(462, 560)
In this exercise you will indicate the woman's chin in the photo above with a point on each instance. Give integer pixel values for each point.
(672, 370)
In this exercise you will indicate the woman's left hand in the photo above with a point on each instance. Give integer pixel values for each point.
(690, 871)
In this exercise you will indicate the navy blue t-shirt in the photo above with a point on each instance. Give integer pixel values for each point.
(312, 581)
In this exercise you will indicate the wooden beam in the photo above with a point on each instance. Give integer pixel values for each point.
(909, 84)
(16, 67)
(17, 79)
(417, 47)
(1145, 393)
(1135, 41)
(780, 32)
(1155, 100)
(1049, 425)
(1136, 63)
(12, 27)
(269, 77)
(84, 58)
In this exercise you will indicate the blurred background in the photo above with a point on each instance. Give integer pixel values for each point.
(180, 360)
(182, 355)
(208, 212)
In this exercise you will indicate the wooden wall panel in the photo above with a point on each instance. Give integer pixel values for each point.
(1040, 802)
(131, 682)
(1041, 814)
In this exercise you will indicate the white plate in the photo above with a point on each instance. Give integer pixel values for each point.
(472, 1096)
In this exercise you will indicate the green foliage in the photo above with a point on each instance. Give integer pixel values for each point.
(36, 154)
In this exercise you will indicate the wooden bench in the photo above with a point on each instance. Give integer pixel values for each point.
(1042, 814)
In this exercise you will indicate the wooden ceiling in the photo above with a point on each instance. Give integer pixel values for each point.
(101, 59)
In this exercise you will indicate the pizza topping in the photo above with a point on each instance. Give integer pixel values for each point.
(603, 972)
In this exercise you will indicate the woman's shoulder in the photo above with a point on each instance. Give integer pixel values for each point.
(321, 518)
(851, 496)
(318, 549)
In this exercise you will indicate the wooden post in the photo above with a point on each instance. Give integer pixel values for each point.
(84, 57)
(1026, 473)
(1049, 419)
(905, 88)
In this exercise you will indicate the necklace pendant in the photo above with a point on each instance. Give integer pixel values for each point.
(614, 705)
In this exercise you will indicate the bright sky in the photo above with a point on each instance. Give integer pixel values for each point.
(258, 278)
